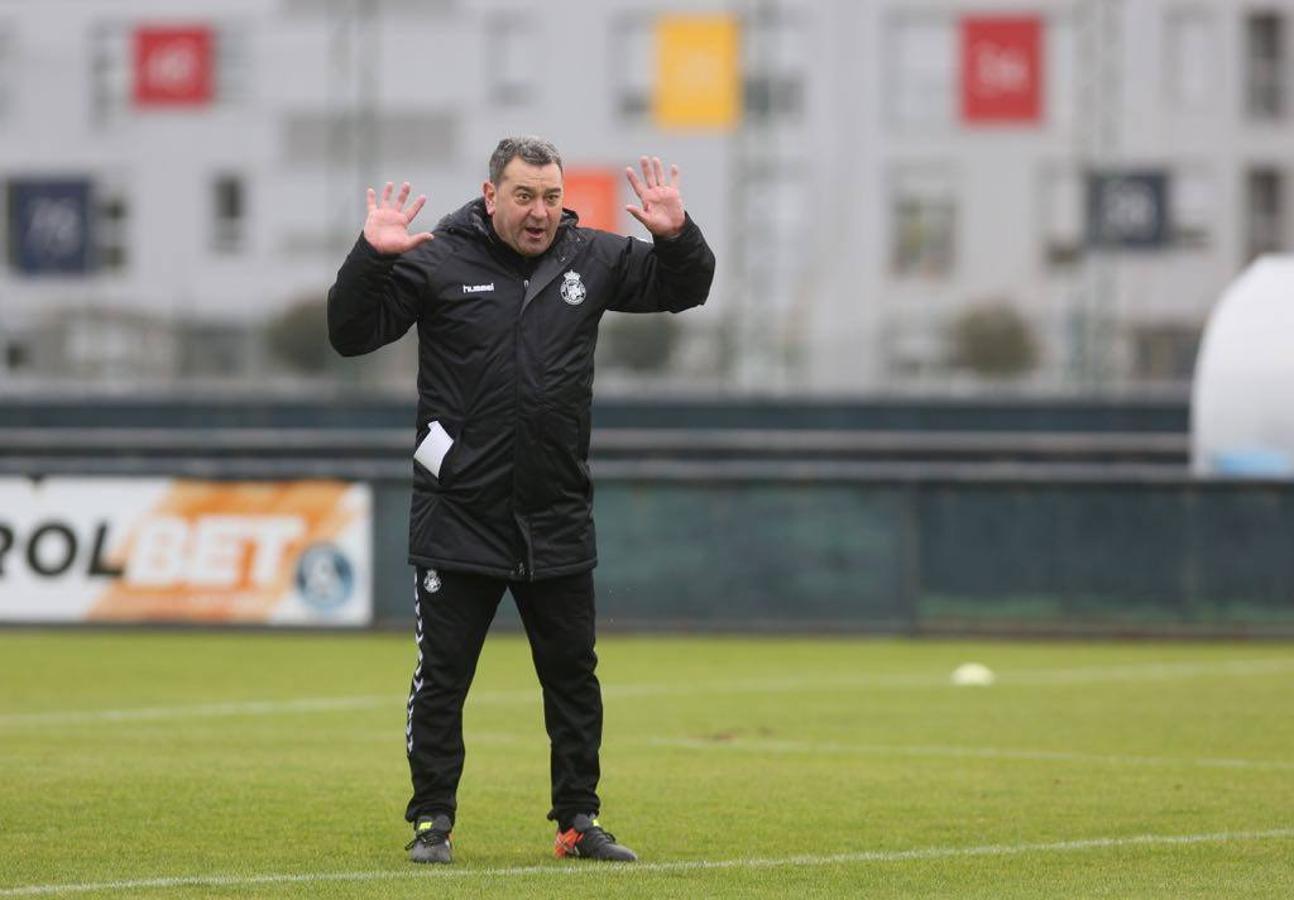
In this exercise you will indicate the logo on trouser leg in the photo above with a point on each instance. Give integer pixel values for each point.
(431, 582)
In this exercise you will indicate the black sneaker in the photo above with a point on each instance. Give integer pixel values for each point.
(431, 842)
(585, 839)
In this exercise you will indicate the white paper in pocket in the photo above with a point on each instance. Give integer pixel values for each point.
(431, 452)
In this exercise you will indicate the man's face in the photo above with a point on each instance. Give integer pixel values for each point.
(526, 205)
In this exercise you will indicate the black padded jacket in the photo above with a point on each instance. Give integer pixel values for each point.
(506, 367)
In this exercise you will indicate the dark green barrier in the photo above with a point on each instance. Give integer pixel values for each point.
(753, 556)
(360, 411)
(1160, 555)
(820, 546)
(1108, 555)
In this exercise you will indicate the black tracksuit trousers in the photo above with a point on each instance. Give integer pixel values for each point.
(453, 612)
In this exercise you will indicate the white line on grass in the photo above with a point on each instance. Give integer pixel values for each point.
(833, 748)
(199, 710)
(835, 859)
(760, 745)
(1024, 677)
(1155, 671)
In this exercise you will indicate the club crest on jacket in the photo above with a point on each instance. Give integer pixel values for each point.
(431, 583)
(573, 290)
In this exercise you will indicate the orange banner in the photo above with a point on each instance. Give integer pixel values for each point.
(169, 550)
(698, 72)
(595, 195)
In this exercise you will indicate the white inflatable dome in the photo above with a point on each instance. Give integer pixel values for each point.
(1242, 403)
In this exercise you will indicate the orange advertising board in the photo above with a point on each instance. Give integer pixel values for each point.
(185, 551)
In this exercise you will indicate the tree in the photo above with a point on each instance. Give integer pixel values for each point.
(299, 335)
(994, 340)
(638, 343)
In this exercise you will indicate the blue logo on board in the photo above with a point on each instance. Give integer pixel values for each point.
(325, 577)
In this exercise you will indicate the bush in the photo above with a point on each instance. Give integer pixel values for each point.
(640, 343)
(994, 341)
(299, 335)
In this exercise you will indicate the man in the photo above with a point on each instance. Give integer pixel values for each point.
(507, 294)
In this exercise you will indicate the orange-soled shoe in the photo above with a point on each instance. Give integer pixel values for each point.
(586, 839)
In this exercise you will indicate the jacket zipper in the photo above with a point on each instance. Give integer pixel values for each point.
(525, 568)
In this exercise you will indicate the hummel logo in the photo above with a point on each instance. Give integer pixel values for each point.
(477, 288)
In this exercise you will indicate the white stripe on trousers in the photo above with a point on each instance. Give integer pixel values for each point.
(416, 685)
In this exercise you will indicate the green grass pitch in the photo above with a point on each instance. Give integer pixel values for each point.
(190, 764)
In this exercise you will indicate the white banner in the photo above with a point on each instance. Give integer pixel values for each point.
(170, 550)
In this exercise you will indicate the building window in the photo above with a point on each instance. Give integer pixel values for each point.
(1266, 76)
(313, 138)
(8, 69)
(1165, 352)
(233, 77)
(1061, 196)
(921, 52)
(111, 238)
(514, 55)
(228, 219)
(914, 346)
(213, 349)
(1194, 207)
(1265, 212)
(1063, 71)
(334, 9)
(775, 49)
(1190, 40)
(632, 47)
(924, 224)
(17, 355)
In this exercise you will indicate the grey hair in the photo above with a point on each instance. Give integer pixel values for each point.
(534, 150)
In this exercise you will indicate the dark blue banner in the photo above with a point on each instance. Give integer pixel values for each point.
(1127, 210)
(49, 226)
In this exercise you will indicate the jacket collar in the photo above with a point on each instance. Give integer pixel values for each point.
(470, 220)
(551, 264)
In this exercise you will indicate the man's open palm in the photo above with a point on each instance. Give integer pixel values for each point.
(662, 206)
(387, 226)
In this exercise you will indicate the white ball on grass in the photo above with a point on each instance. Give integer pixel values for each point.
(973, 674)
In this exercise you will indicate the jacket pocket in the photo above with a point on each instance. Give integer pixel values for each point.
(433, 448)
(566, 447)
(435, 454)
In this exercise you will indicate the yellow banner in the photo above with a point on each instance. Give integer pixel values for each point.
(698, 72)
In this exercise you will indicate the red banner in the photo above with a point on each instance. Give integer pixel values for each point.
(595, 195)
(174, 66)
(1001, 63)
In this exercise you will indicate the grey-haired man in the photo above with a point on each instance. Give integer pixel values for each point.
(507, 294)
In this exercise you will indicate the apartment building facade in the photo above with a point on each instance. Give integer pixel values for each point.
(179, 175)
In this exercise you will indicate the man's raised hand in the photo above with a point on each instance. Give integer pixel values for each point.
(387, 226)
(662, 206)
